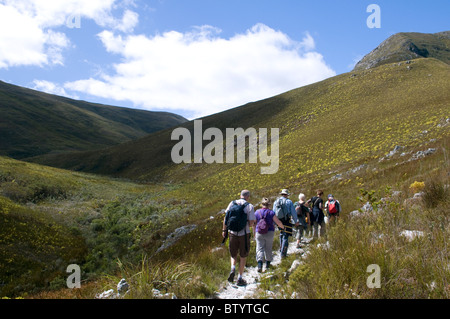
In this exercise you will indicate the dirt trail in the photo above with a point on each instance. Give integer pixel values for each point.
(252, 276)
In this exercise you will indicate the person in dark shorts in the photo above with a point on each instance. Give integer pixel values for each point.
(240, 240)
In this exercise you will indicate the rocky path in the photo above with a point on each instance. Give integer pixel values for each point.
(252, 276)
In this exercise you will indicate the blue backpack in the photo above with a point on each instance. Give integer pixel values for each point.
(280, 208)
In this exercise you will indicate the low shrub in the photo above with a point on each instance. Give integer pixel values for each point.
(435, 192)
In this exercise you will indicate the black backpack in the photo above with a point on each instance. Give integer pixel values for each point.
(236, 217)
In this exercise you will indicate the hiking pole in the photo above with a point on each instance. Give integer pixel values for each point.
(285, 230)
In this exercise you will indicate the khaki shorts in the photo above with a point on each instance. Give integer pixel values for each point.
(237, 244)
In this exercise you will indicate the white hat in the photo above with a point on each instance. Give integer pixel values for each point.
(284, 192)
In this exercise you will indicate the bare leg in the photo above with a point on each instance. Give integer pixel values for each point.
(233, 262)
(242, 265)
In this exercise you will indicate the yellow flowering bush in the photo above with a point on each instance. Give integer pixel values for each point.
(417, 187)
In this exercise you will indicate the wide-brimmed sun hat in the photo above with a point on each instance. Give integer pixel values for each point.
(285, 192)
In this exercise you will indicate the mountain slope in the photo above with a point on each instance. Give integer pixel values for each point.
(408, 46)
(34, 123)
(370, 102)
(348, 118)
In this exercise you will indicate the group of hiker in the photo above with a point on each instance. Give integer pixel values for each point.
(305, 216)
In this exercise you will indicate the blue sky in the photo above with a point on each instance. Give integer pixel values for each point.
(194, 57)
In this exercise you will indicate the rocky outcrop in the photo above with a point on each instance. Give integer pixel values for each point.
(408, 46)
(175, 236)
(123, 289)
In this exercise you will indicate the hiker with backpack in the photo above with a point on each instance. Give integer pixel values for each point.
(265, 232)
(333, 208)
(317, 216)
(284, 210)
(303, 216)
(239, 217)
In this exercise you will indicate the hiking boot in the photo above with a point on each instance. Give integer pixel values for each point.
(231, 276)
(241, 282)
(268, 265)
(260, 264)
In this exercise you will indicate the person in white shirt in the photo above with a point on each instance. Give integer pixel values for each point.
(240, 240)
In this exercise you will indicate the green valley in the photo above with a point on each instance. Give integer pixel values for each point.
(33, 123)
(365, 136)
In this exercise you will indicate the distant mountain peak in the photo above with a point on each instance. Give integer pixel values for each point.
(408, 46)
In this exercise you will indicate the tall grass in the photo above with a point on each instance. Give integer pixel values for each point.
(170, 279)
(410, 268)
(34, 249)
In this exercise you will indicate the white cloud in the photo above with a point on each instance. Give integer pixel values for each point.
(308, 42)
(199, 71)
(21, 38)
(56, 42)
(202, 73)
(129, 21)
(51, 88)
(27, 28)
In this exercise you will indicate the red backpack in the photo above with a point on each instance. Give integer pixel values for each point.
(332, 207)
